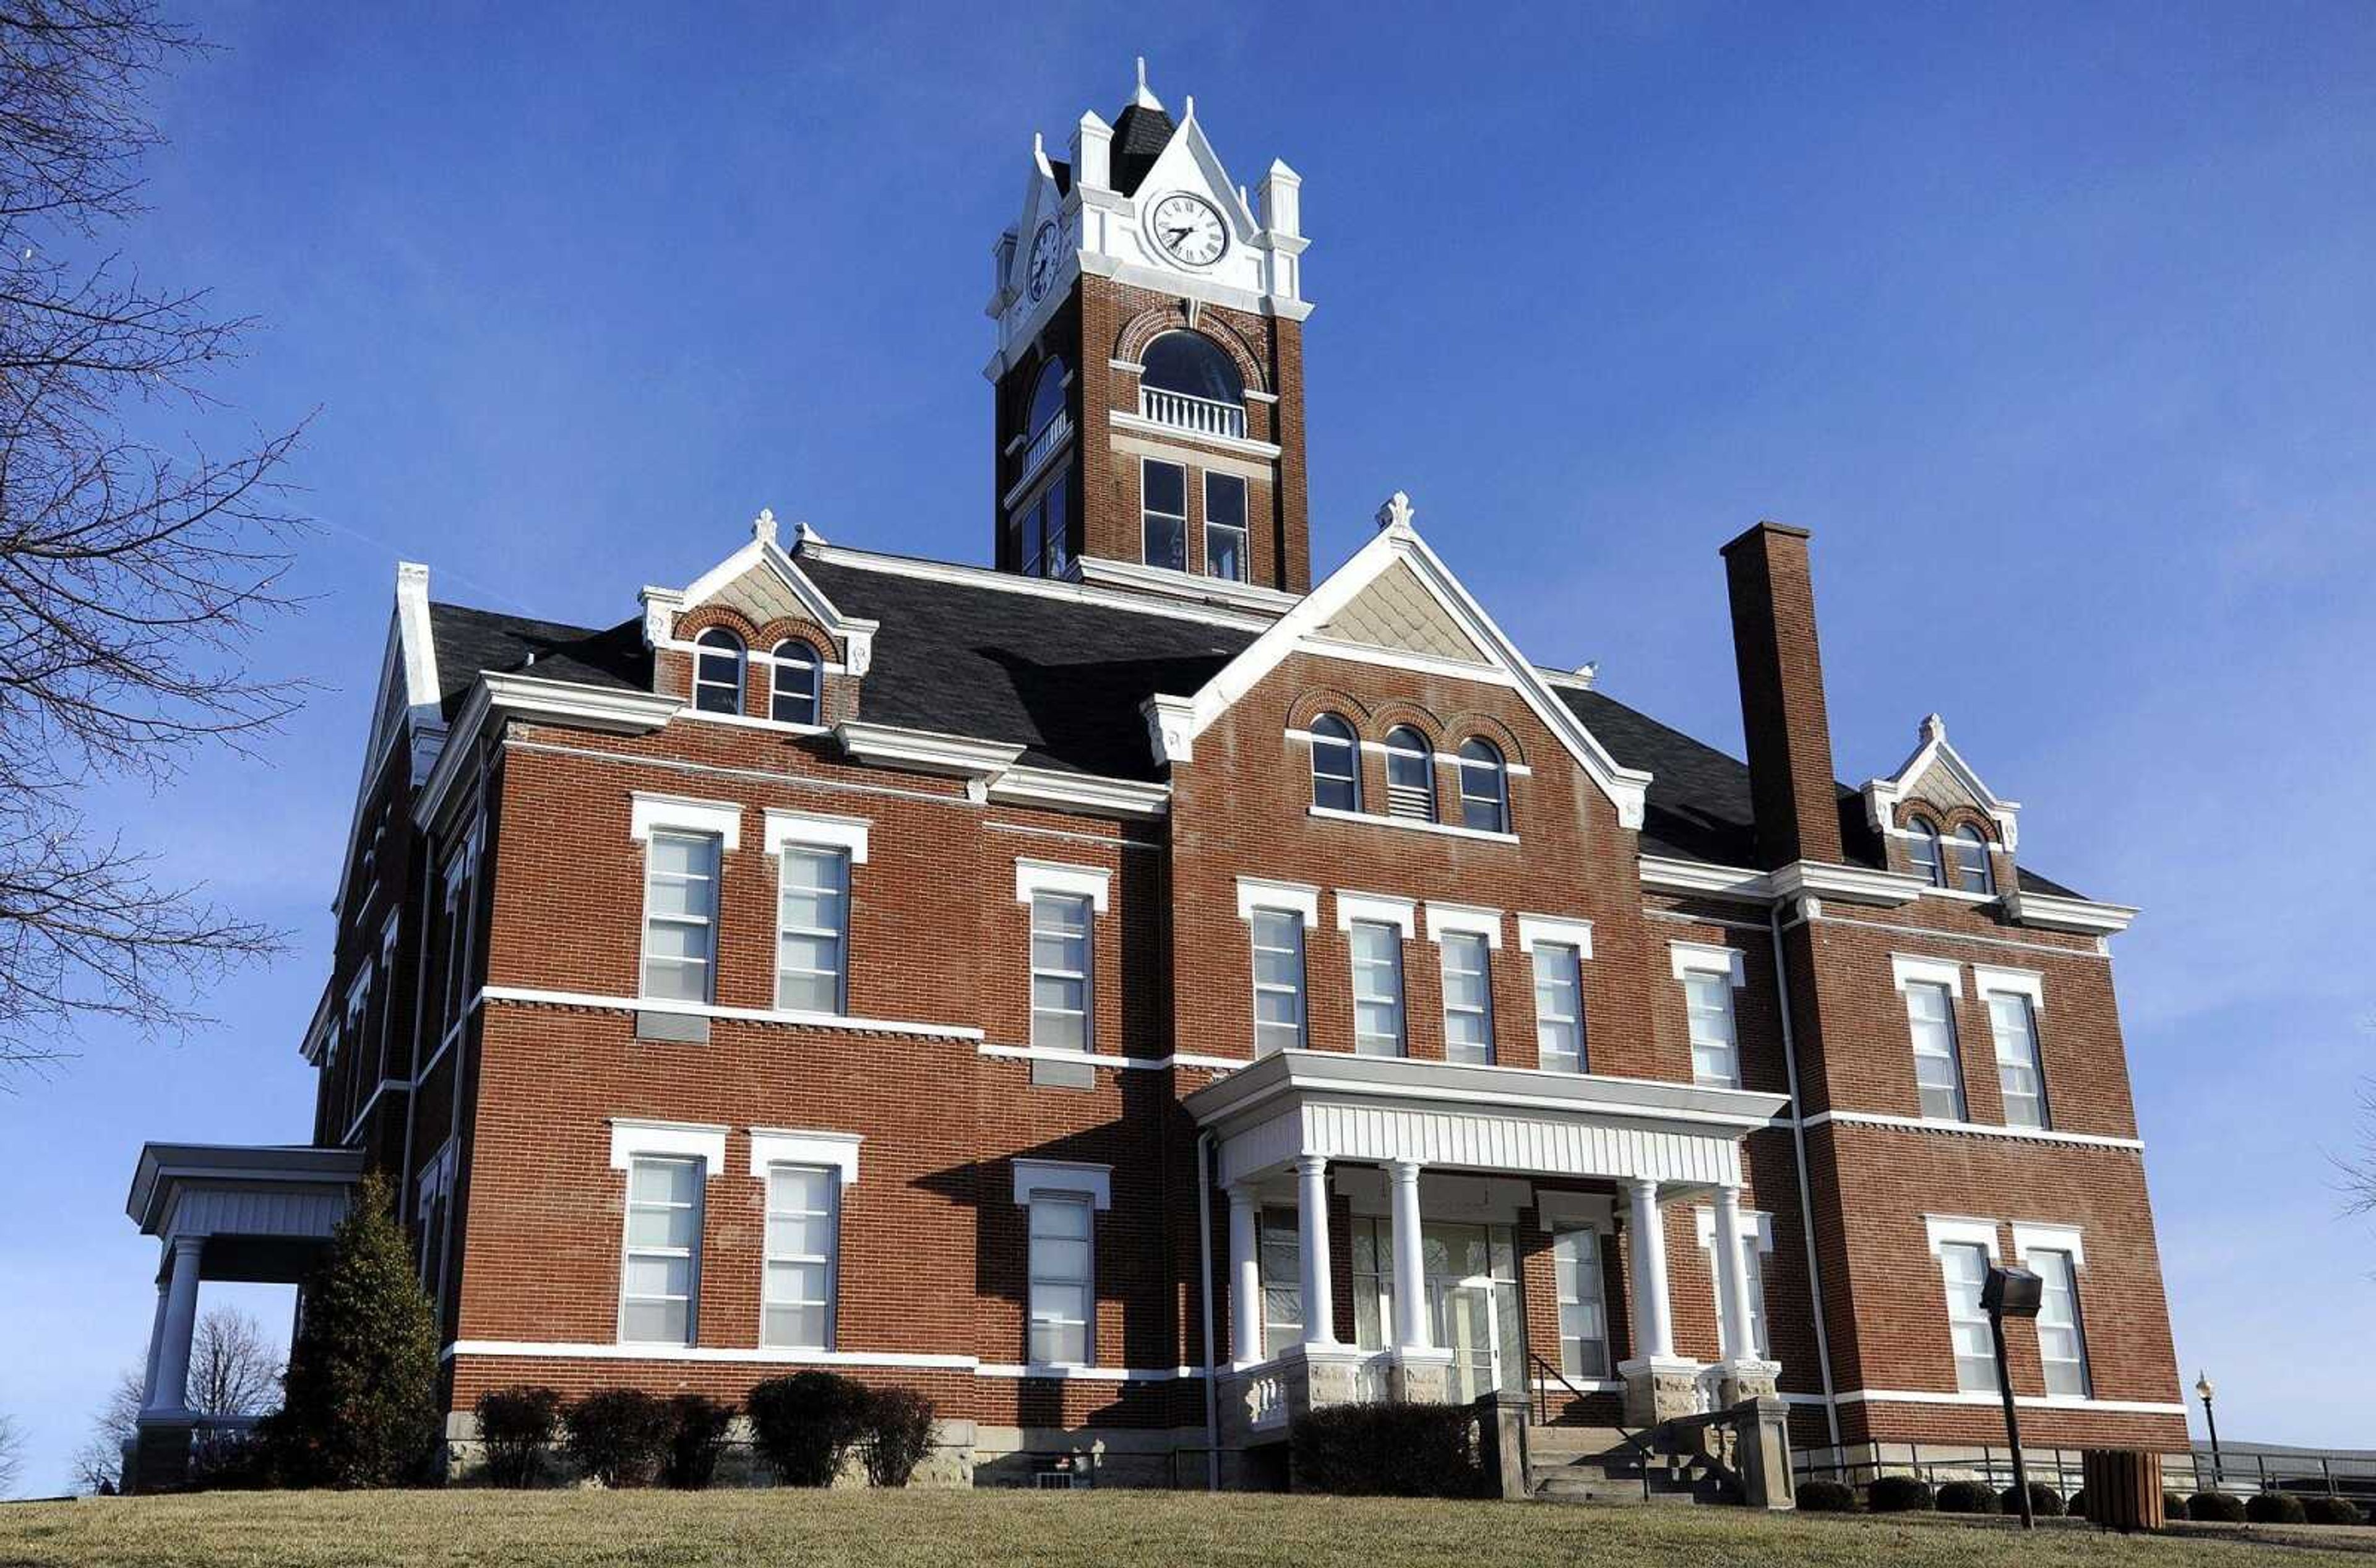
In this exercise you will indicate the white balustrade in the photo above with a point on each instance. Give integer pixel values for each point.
(1200, 416)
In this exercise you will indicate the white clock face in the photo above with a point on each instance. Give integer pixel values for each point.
(1189, 230)
(1044, 260)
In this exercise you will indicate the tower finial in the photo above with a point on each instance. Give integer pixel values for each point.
(1143, 98)
(1397, 512)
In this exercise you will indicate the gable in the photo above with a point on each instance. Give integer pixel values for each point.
(761, 595)
(1398, 612)
(1938, 785)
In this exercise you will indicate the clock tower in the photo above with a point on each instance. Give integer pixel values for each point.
(1149, 369)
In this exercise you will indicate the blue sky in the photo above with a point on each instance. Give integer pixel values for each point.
(2052, 322)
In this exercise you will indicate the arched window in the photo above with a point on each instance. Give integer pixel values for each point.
(1410, 775)
(718, 671)
(794, 698)
(1335, 765)
(1193, 365)
(1048, 396)
(1923, 848)
(1972, 874)
(1484, 788)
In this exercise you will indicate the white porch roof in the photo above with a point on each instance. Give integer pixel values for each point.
(263, 1209)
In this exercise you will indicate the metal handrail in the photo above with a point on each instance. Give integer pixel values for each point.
(1638, 1441)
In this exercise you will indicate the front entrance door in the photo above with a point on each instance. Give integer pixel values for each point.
(1472, 1293)
(1472, 1332)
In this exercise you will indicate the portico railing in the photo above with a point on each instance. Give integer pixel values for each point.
(1200, 416)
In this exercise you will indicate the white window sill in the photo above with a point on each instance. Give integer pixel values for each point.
(1376, 820)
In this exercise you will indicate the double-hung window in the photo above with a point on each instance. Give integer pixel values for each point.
(1468, 998)
(1709, 975)
(792, 687)
(2013, 1025)
(1377, 988)
(2062, 1342)
(718, 671)
(1279, 1256)
(812, 930)
(1965, 1265)
(1062, 1286)
(1558, 1007)
(1060, 970)
(1278, 980)
(662, 1276)
(1335, 765)
(1225, 527)
(680, 915)
(1163, 513)
(803, 1239)
(1750, 1245)
(1583, 1304)
(1938, 1059)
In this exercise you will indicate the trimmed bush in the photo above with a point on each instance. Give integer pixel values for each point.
(804, 1425)
(1898, 1494)
(2044, 1500)
(1378, 1450)
(897, 1435)
(2275, 1508)
(2325, 1510)
(620, 1436)
(2216, 1507)
(1826, 1497)
(2076, 1504)
(2172, 1506)
(1968, 1497)
(515, 1426)
(696, 1435)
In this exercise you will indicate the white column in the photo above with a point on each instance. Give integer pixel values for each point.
(1654, 1326)
(1312, 1213)
(1410, 1268)
(1245, 1278)
(1732, 1280)
(171, 1395)
(156, 1343)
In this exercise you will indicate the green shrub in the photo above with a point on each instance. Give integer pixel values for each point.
(2275, 1508)
(2044, 1500)
(515, 1426)
(896, 1434)
(2076, 1504)
(2172, 1506)
(1826, 1497)
(2325, 1510)
(1376, 1450)
(2216, 1507)
(1898, 1494)
(696, 1435)
(1968, 1497)
(804, 1425)
(619, 1435)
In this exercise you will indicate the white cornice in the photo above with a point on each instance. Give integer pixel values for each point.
(1081, 791)
(2057, 913)
(498, 699)
(1268, 602)
(1041, 588)
(926, 751)
(1663, 874)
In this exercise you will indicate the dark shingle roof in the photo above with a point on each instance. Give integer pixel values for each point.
(1140, 134)
(471, 642)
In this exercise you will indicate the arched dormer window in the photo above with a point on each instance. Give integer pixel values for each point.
(718, 671)
(1410, 775)
(1335, 765)
(1972, 874)
(793, 696)
(1484, 788)
(1186, 379)
(1922, 848)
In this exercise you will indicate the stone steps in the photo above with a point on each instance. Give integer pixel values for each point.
(1597, 1464)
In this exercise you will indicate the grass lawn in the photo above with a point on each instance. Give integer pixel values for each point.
(914, 1529)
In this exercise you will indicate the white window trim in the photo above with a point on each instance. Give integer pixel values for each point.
(1033, 1177)
(1905, 971)
(782, 1146)
(1560, 931)
(722, 819)
(679, 1140)
(1033, 877)
(1705, 958)
(1467, 919)
(2038, 1236)
(1991, 981)
(816, 831)
(1381, 909)
(1940, 1229)
(1754, 1222)
(1297, 898)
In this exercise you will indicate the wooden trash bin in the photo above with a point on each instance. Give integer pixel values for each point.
(2124, 1488)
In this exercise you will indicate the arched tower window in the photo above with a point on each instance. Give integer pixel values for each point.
(1484, 788)
(1047, 397)
(1972, 873)
(718, 671)
(1335, 765)
(1186, 379)
(1923, 850)
(794, 694)
(1410, 775)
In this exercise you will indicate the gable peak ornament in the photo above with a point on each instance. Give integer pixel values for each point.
(763, 526)
(1396, 512)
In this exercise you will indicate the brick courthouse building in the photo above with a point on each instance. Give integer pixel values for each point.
(1136, 990)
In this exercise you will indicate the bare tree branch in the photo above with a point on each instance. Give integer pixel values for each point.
(235, 1369)
(12, 1455)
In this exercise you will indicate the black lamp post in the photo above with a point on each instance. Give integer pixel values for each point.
(2203, 1391)
(2011, 1292)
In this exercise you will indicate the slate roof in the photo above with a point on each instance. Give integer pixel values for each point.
(1064, 679)
(1140, 134)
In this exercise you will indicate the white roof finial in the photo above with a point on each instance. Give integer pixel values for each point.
(1397, 512)
(1934, 729)
(1142, 98)
(763, 526)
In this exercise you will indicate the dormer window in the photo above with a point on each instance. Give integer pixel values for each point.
(1335, 765)
(1972, 873)
(794, 696)
(1922, 848)
(718, 671)
(1484, 788)
(1410, 775)
(1187, 381)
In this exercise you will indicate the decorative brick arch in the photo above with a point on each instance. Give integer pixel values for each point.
(708, 617)
(1460, 727)
(1399, 711)
(1312, 704)
(819, 642)
(1154, 322)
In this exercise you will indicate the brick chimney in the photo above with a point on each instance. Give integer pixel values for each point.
(1782, 714)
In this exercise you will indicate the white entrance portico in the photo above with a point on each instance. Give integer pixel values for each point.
(1443, 1156)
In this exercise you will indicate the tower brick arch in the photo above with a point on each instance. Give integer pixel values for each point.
(1154, 322)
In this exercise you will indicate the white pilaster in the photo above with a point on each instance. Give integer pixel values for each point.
(1311, 1216)
(1245, 1278)
(1731, 1280)
(171, 1396)
(1410, 1268)
(1653, 1316)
